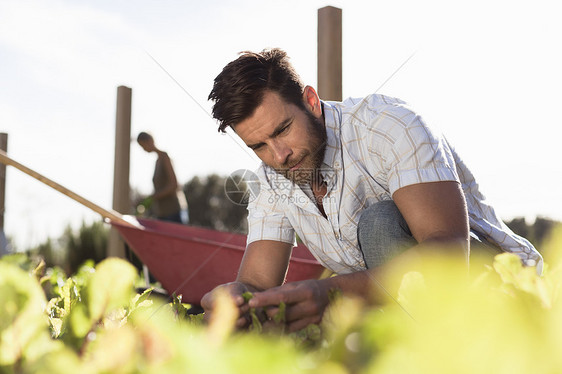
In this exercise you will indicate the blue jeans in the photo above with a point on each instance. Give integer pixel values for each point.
(176, 217)
(383, 233)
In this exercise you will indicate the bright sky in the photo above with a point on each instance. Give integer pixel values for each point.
(486, 72)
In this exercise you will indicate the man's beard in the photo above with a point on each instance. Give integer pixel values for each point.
(309, 171)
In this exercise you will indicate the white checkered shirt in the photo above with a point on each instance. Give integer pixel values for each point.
(375, 146)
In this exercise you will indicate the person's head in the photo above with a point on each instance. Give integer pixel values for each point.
(239, 89)
(146, 141)
(287, 138)
(261, 97)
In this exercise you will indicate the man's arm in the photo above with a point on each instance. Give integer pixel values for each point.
(263, 266)
(436, 214)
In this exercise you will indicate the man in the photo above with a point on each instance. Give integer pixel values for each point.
(167, 201)
(358, 181)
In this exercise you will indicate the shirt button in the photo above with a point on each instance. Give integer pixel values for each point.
(337, 237)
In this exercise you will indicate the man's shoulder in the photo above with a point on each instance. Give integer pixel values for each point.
(373, 110)
(163, 155)
(374, 100)
(366, 110)
(376, 104)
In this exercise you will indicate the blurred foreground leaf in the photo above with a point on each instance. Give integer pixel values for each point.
(110, 287)
(22, 318)
(440, 318)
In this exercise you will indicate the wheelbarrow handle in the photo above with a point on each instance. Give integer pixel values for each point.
(105, 213)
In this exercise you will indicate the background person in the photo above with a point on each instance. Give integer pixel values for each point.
(167, 202)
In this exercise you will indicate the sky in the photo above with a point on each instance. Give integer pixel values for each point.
(487, 73)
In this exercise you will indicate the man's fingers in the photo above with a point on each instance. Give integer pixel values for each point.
(235, 290)
(242, 321)
(294, 311)
(302, 310)
(244, 308)
(207, 302)
(274, 297)
(302, 323)
(271, 311)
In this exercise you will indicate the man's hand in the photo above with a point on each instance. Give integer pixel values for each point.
(305, 302)
(263, 266)
(235, 289)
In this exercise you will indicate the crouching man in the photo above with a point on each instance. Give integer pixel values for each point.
(360, 181)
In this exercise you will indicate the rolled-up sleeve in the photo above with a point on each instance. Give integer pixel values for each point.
(267, 220)
(415, 154)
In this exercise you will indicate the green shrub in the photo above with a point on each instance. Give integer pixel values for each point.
(497, 318)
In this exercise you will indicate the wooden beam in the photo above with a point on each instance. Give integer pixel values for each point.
(121, 188)
(3, 147)
(330, 53)
(108, 214)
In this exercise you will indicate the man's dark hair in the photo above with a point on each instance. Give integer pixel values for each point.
(239, 89)
(144, 136)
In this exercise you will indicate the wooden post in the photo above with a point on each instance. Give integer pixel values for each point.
(330, 53)
(4, 248)
(121, 189)
(3, 147)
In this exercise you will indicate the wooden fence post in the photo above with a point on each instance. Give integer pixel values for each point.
(121, 188)
(330, 53)
(4, 147)
(4, 248)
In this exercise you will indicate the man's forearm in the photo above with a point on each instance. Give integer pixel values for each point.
(248, 285)
(264, 264)
(370, 285)
(380, 284)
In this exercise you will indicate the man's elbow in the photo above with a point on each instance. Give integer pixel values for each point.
(446, 239)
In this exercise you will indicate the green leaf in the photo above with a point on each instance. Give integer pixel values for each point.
(279, 317)
(80, 322)
(141, 299)
(247, 296)
(196, 319)
(60, 362)
(256, 324)
(180, 311)
(22, 315)
(56, 326)
(508, 265)
(113, 351)
(520, 278)
(110, 287)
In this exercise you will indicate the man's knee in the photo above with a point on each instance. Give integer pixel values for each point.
(382, 233)
(383, 218)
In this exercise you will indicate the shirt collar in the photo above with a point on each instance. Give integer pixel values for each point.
(332, 163)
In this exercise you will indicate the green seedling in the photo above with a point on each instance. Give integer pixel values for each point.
(256, 324)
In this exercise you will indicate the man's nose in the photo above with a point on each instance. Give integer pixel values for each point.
(280, 152)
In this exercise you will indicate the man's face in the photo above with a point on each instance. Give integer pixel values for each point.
(147, 145)
(285, 137)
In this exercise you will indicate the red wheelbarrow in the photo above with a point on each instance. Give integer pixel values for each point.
(186, 260)
(191, 260)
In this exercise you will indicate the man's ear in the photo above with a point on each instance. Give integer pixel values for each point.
(312, 101)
